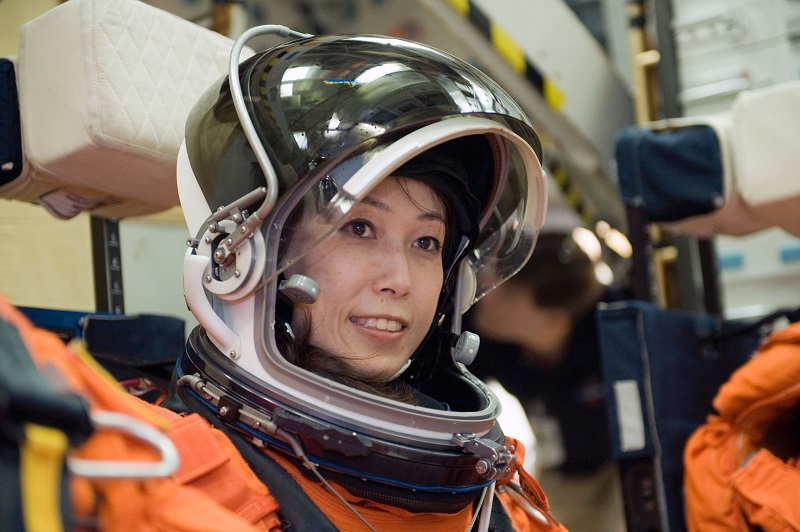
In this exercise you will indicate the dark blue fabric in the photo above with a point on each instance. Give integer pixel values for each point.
(671, 174)
(138, 341)
(128, 346)
(134, 340)
(66, 324)
(10, 133)
(679, 360)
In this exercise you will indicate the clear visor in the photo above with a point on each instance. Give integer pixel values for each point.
(509, 231)
(313, 213)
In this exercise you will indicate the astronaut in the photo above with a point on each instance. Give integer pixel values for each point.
(349, 197)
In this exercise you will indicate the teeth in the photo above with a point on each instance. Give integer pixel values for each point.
(382, 324)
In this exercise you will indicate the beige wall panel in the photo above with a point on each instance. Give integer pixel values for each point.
(13, 13)
(47, 262)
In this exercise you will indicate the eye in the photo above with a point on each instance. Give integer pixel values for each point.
(358, 227)
(429, 243)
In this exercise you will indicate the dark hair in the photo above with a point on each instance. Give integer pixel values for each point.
(560, 274)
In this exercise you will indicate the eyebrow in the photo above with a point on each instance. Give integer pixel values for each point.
(424, 215)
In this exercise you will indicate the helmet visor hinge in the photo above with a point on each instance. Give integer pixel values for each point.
(245, 225)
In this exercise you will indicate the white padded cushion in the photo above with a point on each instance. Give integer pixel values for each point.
(766, 134)
(105, 88)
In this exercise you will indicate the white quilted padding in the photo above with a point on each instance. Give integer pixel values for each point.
(105, 88)
(766, 140)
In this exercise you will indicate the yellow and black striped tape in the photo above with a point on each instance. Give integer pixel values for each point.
(511, 52)
(572, 194)
(552, 94)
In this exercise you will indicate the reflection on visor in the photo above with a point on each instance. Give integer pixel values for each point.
(318, 215)
(506, 241)
(503, 246)
(327, 190)
(505, 249)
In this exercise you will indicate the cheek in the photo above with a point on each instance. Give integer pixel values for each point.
(318, 266)
(429, 287)
(324, 266)
(340, 278)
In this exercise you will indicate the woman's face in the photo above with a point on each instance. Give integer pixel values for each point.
(380, 276)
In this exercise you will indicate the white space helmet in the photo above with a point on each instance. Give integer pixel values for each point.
(316, 123)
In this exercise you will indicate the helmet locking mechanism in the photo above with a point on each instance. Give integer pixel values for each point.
(495, 460)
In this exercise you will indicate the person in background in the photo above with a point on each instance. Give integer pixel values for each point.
(539, 341)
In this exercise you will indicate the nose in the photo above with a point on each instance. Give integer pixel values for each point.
(393, 270)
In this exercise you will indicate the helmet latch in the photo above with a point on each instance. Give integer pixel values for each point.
(494, 460)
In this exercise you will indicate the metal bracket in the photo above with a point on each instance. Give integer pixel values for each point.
(107, 259)
(494, 459)
(228, 409)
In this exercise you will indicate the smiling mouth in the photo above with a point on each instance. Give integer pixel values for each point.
(381, 324)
